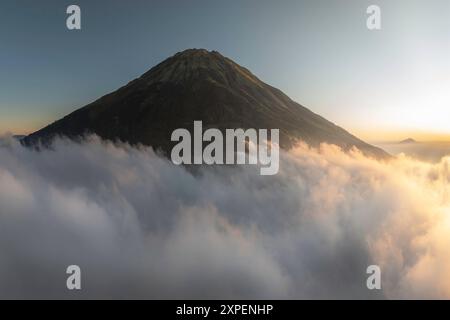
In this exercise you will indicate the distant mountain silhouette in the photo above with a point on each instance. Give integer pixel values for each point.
(408, 141)
(19, 136)
(198, 85)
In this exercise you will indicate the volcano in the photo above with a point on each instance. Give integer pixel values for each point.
(192, 85)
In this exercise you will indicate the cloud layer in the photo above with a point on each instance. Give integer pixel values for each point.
(141, 227)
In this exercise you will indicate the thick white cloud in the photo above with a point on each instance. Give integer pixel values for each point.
(140, 227)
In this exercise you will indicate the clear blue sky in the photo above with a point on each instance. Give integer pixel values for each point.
(319, 52)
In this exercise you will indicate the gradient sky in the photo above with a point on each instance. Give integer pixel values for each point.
(378, 84)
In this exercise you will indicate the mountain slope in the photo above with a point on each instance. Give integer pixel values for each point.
(198, 85)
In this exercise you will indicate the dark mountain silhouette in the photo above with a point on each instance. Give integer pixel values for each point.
(18, 137)
(198, 85)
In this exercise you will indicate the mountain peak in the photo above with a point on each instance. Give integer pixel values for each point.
(196, 65)
(197, 52)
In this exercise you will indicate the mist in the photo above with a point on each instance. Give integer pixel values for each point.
(141, 227)
(425, 151)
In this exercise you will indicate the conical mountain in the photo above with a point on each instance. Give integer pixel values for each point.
(198, 85)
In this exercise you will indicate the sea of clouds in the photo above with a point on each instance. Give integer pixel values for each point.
(141, 227)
